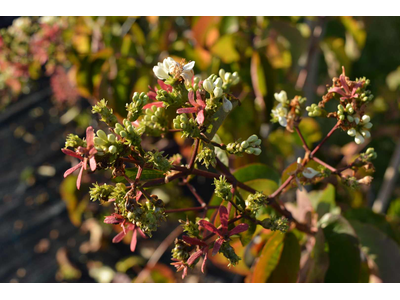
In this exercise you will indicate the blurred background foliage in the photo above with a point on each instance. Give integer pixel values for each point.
(90, 58)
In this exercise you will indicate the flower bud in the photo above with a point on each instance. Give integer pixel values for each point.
(357, 120)
(227, 76)
(366, 119)
(249, 150)
(351, 132)
(257, 151)
(135, 96)
(227, 105)
(365, 133)
(207, 85)
(112, 149)
(196, 80)
(218, 92)
(359, 139)
(123, 134)
(350, 118)
(368, 125)
(218, 82)
(99, 142)
(244, 144)
(222, 73)
(252, 138)
(111, 138)
(101, 134)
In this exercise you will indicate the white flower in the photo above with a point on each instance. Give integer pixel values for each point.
(280, 112)
(310, 173)
(47, 20)
(170, 66)
(281, 97)
(226, 105)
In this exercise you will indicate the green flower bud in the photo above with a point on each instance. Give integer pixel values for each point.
(208, 86)
(111, 138)
(101, 134)
(112, 149)
(100, 142)
(218, 92)
(252, 138)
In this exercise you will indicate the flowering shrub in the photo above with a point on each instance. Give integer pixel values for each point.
(196, 108)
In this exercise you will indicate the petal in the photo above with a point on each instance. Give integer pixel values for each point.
(282, 121)
(200, 117)
(344, 84)
(194, 256)
(134, 240)
(238, 229)
(189, 66)
(164, 86)
(160, 72)
(112, 220)
(200, 98)
(223, 216)
(72, 153)
(89, 137)
(142, 234)
(208, 226)
(217, 246)
(193, 241)
(187, 110)
(337, 90)
(92, 162)
(79, 179)
(152, 95)
(191, 98)
(119, 237)
(157, 104)
(71, 170)
(204, 261)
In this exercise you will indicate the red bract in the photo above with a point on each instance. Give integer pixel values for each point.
(222, 232)
(180, 265)
(153, 93)
(198, 107)
(118, 219)
(203, 250)
(83, 154)
(345, 91)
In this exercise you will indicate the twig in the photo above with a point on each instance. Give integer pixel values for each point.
(191, 208)
(325, 138)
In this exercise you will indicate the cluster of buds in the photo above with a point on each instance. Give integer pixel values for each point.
(223, 188)
(276, 224)
(361, 128)
(154, 122)
(101, 193)
(188, 125)
(315, 111)
(106, 114)
(107, 143)
(255, 201)
(368, 155)
(207, 156)
(157, 159)
(129, 133)
(134, 108)
(249, 146)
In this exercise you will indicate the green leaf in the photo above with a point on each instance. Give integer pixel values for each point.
(323, 201)
(379, 247)
(224, 48)
(256, 171)
(344, 252)
(268, 259)
(318, 260)
(263, 185)
(367, 216)
(147, 174)
(289, 263)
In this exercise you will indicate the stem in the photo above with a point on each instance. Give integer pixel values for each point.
(193, 158)
(191, 208)
(332, 169)
(302, 139)
(325, 138)
(195, 194)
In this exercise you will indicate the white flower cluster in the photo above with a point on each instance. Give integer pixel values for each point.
(170, 67)
(361, 131)
(280, 112)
